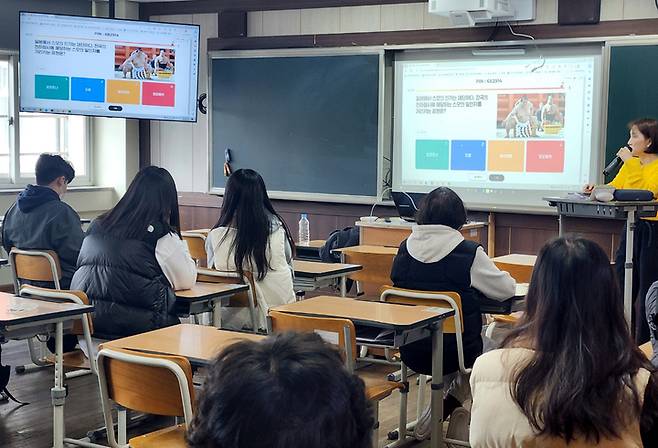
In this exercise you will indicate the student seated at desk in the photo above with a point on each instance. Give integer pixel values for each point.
(290, 390)
(133, 259)
(40, 220)
(569, 375)
(436, 257)
(251, 236)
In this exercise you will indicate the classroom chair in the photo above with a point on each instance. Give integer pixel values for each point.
(454, 326)
(196, 242)
(148, 383)
(522, 274)
(35, 266)
(376, 270)
(77, 358)
(340, 332)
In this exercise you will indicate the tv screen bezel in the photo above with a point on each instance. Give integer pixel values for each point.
(132, 117)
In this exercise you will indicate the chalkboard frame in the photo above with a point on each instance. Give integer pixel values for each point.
(309, 52)
(635, 41)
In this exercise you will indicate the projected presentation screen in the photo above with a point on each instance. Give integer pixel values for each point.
(108, 67)
(501, 130)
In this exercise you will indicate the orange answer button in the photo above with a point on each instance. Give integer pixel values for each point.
(506, 155)
(122, 92)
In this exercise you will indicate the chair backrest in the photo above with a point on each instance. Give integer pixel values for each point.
(376, 270)
(196, 243)
(153, 384)
(519, 272)
(427, 298)
(339, 332)
(35, 265)
(74, 296)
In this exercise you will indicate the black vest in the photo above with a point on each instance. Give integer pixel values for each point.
(452, 273)
(124, 281)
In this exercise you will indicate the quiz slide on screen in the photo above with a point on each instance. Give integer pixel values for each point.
(496, 124)
(106, 67)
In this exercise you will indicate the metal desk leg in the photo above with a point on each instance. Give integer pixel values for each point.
(58, 393)
(217, 313)
(343, 286)
(560, 225)
(437, 385)
(628, 268)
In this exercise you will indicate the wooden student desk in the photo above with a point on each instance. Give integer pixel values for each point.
(310, 251)
(198, 343)
(206, 297)
(312, 275)
(407, 324)
(22, 318)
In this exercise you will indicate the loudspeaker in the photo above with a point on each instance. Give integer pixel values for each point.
(570, 12)
(232, 24)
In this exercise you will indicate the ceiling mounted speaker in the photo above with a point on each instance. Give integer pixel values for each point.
(579, 12)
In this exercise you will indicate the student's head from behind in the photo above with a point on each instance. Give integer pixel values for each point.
(53, 171)
(247, 208)
(574, 322)
(442, 206)
(643, 136)
(150, 204)
(287, 391)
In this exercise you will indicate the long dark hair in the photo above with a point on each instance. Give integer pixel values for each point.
(247, 208)
(151, 200)
(580, 379)
(648, 127)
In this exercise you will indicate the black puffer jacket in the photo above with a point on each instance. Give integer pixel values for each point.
(123, 280)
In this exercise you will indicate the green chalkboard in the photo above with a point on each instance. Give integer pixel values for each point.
(632, 92)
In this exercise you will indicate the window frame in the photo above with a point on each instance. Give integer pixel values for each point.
(15, 179)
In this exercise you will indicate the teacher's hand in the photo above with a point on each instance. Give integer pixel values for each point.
(624, 154)
(588, 188)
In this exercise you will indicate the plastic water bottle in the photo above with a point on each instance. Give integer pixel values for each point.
(304, 231)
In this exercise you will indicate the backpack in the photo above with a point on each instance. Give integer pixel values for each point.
(337, 239)
(651, 304)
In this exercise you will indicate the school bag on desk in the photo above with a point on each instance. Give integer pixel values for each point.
(338, 239)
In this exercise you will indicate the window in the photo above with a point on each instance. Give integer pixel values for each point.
(22, 140)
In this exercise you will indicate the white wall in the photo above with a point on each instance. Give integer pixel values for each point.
(182, 148)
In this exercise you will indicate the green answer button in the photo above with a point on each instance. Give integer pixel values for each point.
(51, 87)
(432, 154)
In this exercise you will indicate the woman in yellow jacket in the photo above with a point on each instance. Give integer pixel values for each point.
(640, 171)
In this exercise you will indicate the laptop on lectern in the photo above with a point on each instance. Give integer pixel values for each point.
(407, 204)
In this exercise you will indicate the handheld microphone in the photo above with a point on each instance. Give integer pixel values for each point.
(616, 163)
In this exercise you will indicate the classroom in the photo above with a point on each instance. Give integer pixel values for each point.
(328, 223)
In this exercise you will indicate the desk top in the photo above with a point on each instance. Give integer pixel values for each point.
(19, 310)
(397, 223)
(316, 269)
(313, 244)
(365, 249)
(378, 314)
(199, 343)
(523, 260)
(205, 291)
(204, 231)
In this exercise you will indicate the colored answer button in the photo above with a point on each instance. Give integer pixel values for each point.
(123, 92)
(158, 94)
(88, 89)
(51, 87)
